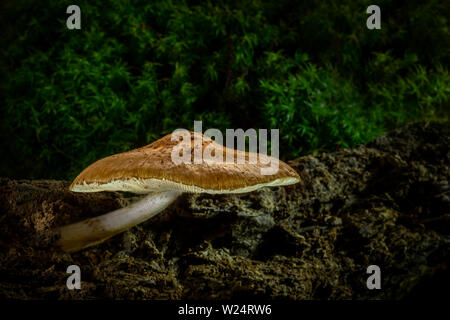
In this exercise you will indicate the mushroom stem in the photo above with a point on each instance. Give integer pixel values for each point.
(90, 232)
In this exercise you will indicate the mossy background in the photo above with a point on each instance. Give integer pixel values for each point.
(140, 69)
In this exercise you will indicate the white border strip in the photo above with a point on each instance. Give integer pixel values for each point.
(144, 186)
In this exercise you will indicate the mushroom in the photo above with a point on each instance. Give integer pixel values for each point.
(150, 170)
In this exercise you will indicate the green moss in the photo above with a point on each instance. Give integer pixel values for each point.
(138, 70)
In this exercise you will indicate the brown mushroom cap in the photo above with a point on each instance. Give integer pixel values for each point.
(151, 169)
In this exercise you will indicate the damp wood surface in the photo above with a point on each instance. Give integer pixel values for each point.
(386, 204)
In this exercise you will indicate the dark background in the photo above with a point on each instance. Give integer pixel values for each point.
(140, 69)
